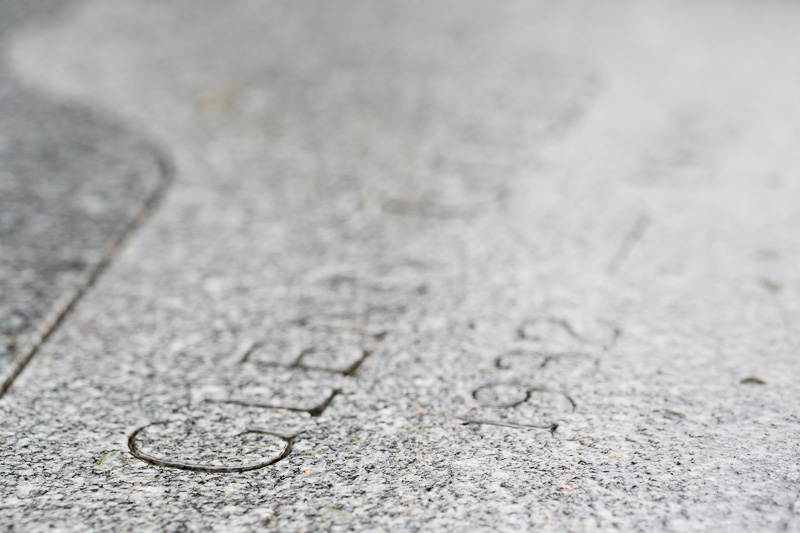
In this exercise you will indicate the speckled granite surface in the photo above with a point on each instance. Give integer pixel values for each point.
(429, 266)
(71, 183)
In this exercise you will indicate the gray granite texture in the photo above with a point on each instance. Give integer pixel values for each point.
(70, 185)
(446, 265)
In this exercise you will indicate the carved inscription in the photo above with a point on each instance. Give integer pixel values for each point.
(544, 350)
(188, 445)
(315, 346)
(214, 437)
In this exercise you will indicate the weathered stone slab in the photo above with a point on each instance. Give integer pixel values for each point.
(567, 230)
(70, 185)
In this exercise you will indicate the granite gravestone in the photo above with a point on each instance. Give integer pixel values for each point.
(428, 265)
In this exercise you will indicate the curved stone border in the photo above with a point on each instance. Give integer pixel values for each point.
(66, 304)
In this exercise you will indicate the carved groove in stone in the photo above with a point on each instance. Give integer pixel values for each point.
(136, 451)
